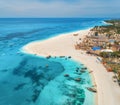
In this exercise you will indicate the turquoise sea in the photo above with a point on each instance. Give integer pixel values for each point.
(30, 80)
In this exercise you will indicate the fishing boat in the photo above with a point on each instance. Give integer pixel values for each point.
(92, 89)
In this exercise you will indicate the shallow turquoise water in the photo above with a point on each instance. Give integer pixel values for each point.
(24, 82)
(26, 79)
(65, 90)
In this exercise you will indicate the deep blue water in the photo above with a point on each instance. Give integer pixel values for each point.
(26, 79)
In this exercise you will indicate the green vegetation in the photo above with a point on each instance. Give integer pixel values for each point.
(112, 61)
(115, 54)
(107, 37)
(115, 22)
(111, 31)
(113, 27)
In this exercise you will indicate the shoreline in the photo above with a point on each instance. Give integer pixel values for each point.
(63, 45)
(55, 36)
(60, 35)
(23, 49)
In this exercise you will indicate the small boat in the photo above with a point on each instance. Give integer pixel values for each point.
(77, 79)
(82, 71)
(62, 56)
(90, 71)
(66, 75)
(84, 68)
(69, 56)
(49, 56)
(75, 34)
(77, 69)
(92, 89)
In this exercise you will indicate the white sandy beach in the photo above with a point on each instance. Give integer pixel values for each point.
(63, 45)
